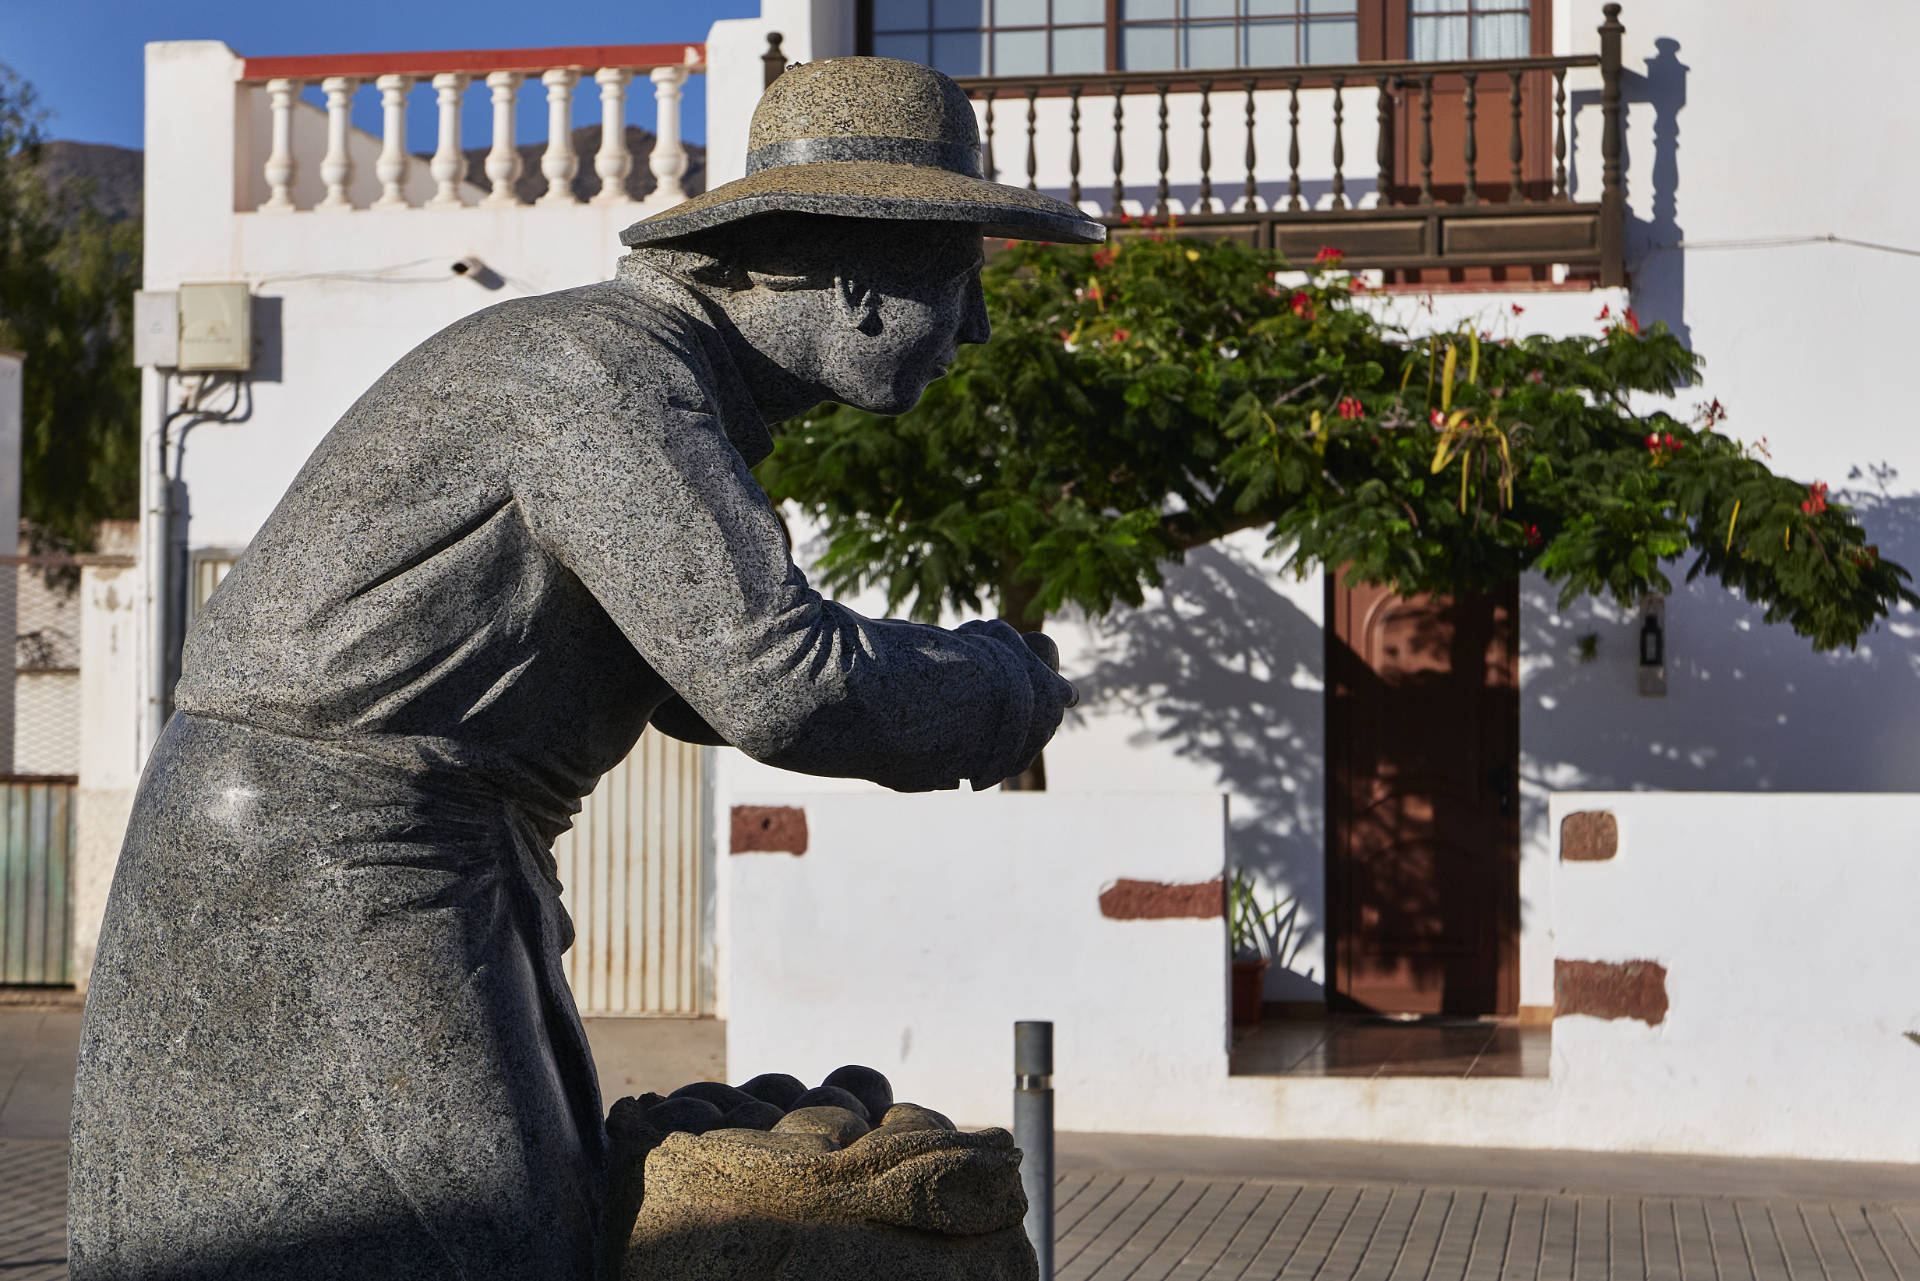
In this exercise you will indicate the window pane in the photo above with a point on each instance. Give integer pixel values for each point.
(1440, 6)
(1333, 40)
(898, 15)
(1332, 6)
(1079, 11)
(1272, 8)
(1270, 44)
(1500, 35)
(1208, 45)
(1020, 53)
(1140, 10)
(960, 13)
(1018, 13)
(1209, 8)
(1437, 39)
(912, 48)
(961, 53)
(1146, 48)
(1079, 49)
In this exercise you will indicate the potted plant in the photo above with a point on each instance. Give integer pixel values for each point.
(1246, 926)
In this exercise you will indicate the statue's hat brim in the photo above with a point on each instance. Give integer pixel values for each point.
(875, 189)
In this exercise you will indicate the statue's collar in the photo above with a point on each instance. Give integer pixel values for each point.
(740, 418)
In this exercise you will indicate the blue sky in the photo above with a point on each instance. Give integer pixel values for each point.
(85, 56)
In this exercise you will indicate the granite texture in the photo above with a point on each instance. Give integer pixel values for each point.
(328, 1035)
(869, 138)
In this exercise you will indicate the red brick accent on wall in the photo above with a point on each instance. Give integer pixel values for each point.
(1611, 990)
(1159, 901)
(1589, 836)
(769, 829)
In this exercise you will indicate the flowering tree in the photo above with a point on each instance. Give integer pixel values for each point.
(1148, 397)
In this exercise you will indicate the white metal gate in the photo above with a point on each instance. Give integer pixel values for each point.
(632, 868)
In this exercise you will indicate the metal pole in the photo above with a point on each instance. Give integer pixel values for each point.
(1033, 1132)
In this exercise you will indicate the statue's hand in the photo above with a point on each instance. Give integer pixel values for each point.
(1052, 694)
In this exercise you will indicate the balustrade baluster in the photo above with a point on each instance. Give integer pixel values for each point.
(1119, 187)
(1293, 144)
(1160, 207)
(987, 145)
(614, 160)
(1252, 198)
(1033, 158)
(559, 162)
(668, 162)
(1514, 145)
(1339, 145)
(1469, 104)
(1426, 138)
(1073, 155)
(336, 169)
(449, 165)
(280, 162)
(392, 166)
(503, 161)
(1560, 133)
(1383, 145)
(1204, 202)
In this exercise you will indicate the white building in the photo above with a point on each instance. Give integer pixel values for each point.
(1731, 968)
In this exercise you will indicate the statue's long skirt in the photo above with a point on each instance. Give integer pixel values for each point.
(327, 1033)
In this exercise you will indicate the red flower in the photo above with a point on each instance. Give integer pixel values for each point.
(1673, 445)
(1126, 220)
(1350, 408)
(1303, 305)
(1653, 443)
(1631, 321)
(1715, 412)
(1358, 285)
(1606, 310)
(1437, 418)
(1121, 335)
(1535, 376)
(1518, 310)
(1327, 257)
(1533, 535)
(1103, 258)
(1816, 498)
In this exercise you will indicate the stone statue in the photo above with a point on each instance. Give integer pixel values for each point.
(327, 1034)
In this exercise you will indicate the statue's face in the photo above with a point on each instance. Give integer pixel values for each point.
(902, 310)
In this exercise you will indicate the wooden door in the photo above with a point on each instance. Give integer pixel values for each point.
(1423, 827)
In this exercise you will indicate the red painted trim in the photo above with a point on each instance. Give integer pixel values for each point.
(473, 61)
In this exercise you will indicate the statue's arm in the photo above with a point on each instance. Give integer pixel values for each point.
(677, 720)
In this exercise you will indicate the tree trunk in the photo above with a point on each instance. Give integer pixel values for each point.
(1016, 598)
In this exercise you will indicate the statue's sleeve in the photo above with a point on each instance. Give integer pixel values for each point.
(637, 490)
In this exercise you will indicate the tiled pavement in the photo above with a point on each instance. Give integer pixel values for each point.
(1116, 1227)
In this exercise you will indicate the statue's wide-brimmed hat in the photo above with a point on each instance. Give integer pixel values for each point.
(869, 138)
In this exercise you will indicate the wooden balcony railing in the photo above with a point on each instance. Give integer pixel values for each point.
(1441, 198)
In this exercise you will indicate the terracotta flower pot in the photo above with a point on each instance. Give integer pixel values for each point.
(1249, 978)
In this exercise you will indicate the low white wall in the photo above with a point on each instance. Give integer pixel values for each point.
(916, 930)
(109, 745)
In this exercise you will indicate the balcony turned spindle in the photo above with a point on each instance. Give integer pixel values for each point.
(559, 162)
(280, 162)
(1613, 191)
(1339, 145)
(336, 168)
(1383, 143)
(1073, 155)
(1560, 133)
(613, 162)
(1160, 207)
(1251, 201)
(986, 144)
(392, 166)
(449, 165)
(774, 61)
(1293, 145)
(503, 161)
(1203, 203)
(1426, 138)
(1517, 192)
(1119, 187)
(1469, 102)
(669, 159)
(1033, 116)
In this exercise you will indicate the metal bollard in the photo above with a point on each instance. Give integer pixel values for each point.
(1033, 1132)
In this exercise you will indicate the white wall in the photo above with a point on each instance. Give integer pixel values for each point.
(110, 751)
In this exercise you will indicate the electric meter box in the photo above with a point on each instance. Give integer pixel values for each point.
(216, 332)
(156, 328)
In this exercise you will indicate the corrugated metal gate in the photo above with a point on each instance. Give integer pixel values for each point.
(632, 868)
(36, 879)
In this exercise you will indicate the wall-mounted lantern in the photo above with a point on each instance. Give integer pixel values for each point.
(1653, 646)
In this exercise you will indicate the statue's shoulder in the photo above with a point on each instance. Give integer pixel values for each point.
(610, 329)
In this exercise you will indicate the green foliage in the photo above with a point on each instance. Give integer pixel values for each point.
(67, 278)
(1148, 397)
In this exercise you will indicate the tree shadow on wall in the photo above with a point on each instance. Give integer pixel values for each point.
(1228, 672)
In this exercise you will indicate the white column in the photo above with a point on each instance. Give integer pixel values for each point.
(559, 163)
(337, 169)
(669, 158)
(503, 162)
(11, 402)
(613, 162)
(392, 166)
(280, 166)
(449, 166)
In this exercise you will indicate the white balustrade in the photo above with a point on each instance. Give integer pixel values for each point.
(392, 167)
(336, 170)
(559, 164)
(503, 162)
(613, 162)
(280, 162)
(669, 158)
(449, 165)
